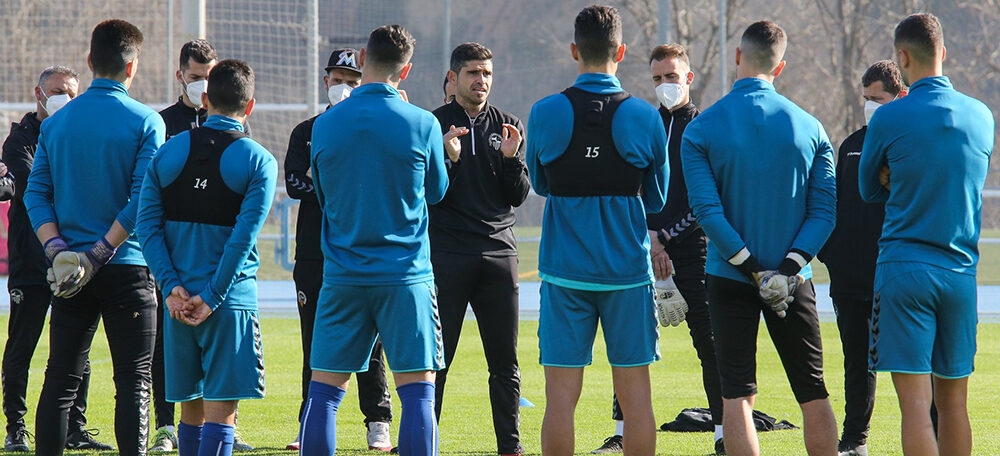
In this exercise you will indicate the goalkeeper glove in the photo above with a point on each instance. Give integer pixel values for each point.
(671, 308)
(794, 261)
(62, 264)
(772, 287)
(89, 262)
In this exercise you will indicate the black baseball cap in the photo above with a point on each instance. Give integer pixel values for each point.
(345, 59)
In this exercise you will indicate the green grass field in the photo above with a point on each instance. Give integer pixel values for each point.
(466, 427)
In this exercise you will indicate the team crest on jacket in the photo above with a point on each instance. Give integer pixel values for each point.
(16, 295)
(302, 298)
(496, 140)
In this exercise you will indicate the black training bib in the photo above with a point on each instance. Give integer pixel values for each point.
(198, 194)
(591, 165)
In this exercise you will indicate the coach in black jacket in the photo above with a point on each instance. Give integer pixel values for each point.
(29, 291)
(850, 255)
(471, 232)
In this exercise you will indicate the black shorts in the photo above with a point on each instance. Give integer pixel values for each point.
(735, 310)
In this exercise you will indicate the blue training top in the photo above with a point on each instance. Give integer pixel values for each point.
(377, 162)
(91, 158)
(760, 175)
(217, 262)
(598, 242)
(937, 143)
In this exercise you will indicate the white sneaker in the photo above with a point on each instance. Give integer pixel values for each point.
(378, 436)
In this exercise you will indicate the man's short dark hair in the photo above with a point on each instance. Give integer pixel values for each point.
(669, 51)
(389, 48)
(763, 45)
(920, 34)
(230, 86)
(887, 72)
(467, 52)
(444, 88)
(113, 44)
(598, 34)
(201, 51)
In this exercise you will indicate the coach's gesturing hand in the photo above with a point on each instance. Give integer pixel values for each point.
(196, 311)
(177, 301)
(511, 141)
(452, 145)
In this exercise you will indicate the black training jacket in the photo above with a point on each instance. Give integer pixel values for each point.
(676, 216)
(852, 249)
(180, 117)
(24, 252)
(476, 216)
(299, 185)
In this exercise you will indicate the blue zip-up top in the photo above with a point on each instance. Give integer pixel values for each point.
(91, 158)
(598, 242)
(760, 175)
(937, 143)
(217, 262)
(377, 161)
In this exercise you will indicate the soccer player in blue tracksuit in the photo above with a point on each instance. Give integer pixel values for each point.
(377, 163)
(760, 179)
(82, 194)
(600, 156)
(850, 255)
(205, 198)
(926, 156)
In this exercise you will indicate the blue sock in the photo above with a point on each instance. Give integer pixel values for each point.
(319, 422)
(417, 429)
(216, 440)
(188, 439)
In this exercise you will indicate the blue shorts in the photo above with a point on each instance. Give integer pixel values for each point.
(924, 320)
(219, 360)
(567, 326)
(349, 318)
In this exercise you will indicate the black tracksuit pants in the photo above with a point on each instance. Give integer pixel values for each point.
(854, 321)
(163, 409)
(689, 263)
(124, 298)
(28, 306)
(490, 285)
(373, 390)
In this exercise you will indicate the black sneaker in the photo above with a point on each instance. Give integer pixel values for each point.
(720, 447)
(612, 444)
(852, 448)
(17, 441)
(83, 439)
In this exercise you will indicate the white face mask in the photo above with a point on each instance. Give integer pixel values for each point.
(194, 91)
(55, 102)
(338, 93)
(870, 107)
(670, 94)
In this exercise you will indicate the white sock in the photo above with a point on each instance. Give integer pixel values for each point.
(619, 427)
(718, 432)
